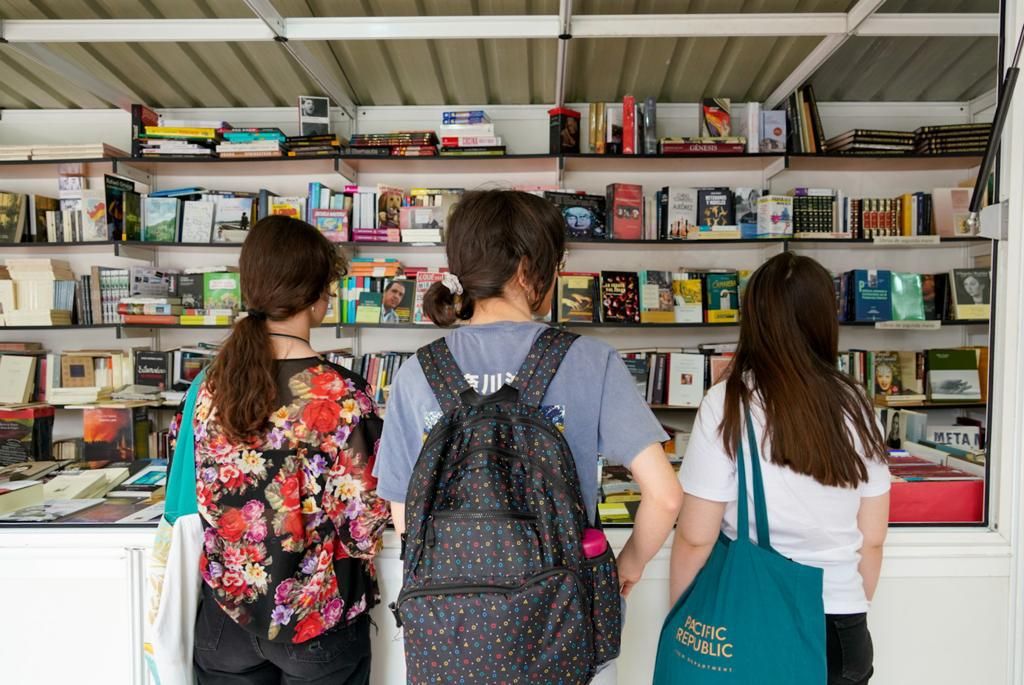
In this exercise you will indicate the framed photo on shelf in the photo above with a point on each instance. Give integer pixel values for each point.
(314, 115)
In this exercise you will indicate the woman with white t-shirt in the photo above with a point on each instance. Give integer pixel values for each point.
(825, 477)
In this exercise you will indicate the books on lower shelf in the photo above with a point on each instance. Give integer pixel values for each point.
(936, 376)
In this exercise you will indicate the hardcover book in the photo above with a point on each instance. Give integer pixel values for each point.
(197, 221)
(118, 434)
(953, 376)
(907, 297)
(115, 188)
(971, 293)
(160, 218)
(715, 207)
(398, 301)
(620, 296)
(94, 216)
(625, 203)
(688, 298)
(656, 299)
(577, 294)
(191, 288)
(222, 291)
(723, 297)
(368, 309)
(333, 223)
(871, 295)
(584, 215)
(685, 379)
(715, 119)
(152, 368)
(745, 201)
(424, 280)
(680, 212)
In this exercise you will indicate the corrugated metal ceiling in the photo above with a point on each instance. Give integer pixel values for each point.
(515, 71)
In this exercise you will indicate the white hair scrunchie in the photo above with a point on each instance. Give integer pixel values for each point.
(451, 281)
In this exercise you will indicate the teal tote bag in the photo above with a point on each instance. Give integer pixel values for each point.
(751, 615)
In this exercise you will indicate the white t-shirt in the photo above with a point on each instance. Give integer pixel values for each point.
(810, 523)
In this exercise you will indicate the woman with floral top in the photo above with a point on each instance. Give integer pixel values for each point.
(285, 448)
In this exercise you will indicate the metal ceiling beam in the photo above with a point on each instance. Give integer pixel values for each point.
(324, 77)
(706, 25)
(926, 25)
(854, 19)
(107, 87)
(485, 27)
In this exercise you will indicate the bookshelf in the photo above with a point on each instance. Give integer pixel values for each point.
(862, 176)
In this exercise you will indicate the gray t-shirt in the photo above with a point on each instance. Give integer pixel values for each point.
(592, 397)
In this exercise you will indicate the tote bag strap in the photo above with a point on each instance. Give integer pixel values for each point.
(760, 506)
(180, 499)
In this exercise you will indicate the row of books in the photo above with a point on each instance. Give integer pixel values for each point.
(386, 300)
(715, 296)
(378, 368)
(951, 138)
(684, 213)
(677, 378)
(32, 375)
(883, 295)
(36, 292)
(895, 378)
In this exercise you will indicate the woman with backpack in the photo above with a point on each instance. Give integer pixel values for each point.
(821, 478)
(490, 461)
(284, 449)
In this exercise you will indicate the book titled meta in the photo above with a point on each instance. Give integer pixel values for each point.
(872, 295)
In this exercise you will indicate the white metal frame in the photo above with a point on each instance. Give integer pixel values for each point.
(293, 32)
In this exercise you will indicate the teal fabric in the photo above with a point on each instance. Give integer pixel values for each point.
(751, 615)
(181, 481)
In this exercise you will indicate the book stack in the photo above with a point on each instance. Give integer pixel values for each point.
(15, 153)
(84, 151)
(806, 135)
(397, 144)
(181, 138)
(251, 143)
(952, 139)
(322, 145)
(44, 292)
(860, 141)
(150, 310)
(466, 133)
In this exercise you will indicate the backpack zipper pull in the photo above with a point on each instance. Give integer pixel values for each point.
(394, 611)
(431, 537)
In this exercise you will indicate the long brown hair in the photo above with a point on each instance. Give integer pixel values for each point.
(788, 348)
(490, 233)
(286, 265)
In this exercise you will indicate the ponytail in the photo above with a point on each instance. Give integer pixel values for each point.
(286, 265)
(439, 305)
(242, 378)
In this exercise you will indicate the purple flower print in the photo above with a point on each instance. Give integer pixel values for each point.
(276, 438)
(356, 609)
(318, 464)
(215, 570)
(282, 615)
(332, 612)
(252, 510)
(341, 435)
(209, 474)
(308, 564)
(355, 508)
(283, 591)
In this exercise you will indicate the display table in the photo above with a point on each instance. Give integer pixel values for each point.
(74, 604)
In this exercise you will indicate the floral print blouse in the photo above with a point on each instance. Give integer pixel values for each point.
(292, 519)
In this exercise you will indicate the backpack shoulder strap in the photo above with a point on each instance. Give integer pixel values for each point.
(541, 364)
(443, 374)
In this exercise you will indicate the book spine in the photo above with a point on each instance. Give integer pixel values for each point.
(629, 125)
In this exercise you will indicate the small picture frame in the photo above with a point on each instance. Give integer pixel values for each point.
(314, 115)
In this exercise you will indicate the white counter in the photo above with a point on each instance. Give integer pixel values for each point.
(73, 603)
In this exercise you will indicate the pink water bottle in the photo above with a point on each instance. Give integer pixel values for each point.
(594, 543)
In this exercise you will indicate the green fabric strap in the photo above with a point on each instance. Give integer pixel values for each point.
(181, 482)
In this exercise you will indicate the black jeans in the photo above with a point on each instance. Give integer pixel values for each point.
(227, 654)
(849, 649)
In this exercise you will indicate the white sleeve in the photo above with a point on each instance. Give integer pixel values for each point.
(879, 482)
(707, 470)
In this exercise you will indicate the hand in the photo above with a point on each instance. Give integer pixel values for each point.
(630, 570)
